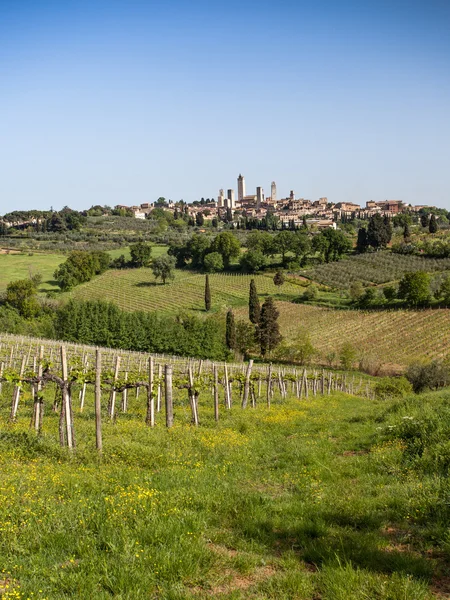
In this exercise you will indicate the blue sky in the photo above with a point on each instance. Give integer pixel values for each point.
(123, 101)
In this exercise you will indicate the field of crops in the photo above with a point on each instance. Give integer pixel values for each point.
(377, 267)
(395, 337)
(136, 289)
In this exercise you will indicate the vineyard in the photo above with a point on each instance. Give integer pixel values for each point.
(69, 369)
(396, 337)
(373, 268)
(136, 289)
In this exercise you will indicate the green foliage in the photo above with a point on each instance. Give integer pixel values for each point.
(140, 254)
(432, 226)
(300, 350)
(310, 294)
(356, 290)
(245, 342)
(379, 231)
(347, 355)
(278, 278)
(163, 268)
(80, 267)
(368, 298)
(230, 330)
(254, 308)
(414, 288)
(227, 245)
(390, 293)
(362, 243)
(104, 324)
(252, 261)
(432, 375)
(213, 262)
(331, 244)
(268, 328)
(22, 295)
(207, 294)
(392, 387)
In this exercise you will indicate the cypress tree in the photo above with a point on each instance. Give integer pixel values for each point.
(230, 332)
(424, 220)
(362, 242)
(254, 309)
(387, 230)
(406, 233)
(432, 226)
(207, 294)
(268, 329)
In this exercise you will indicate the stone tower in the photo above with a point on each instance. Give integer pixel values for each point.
(259, 197)
(241, 188)
(273, 191)
(231, 201)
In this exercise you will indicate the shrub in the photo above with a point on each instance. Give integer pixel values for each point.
(432, 375)
(347, 356)
(392, 387)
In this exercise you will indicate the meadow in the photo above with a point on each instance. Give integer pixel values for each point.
(330, 498)
(20, 266)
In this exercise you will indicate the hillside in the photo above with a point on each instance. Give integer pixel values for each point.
(373, 268)
(136, 289)
(320, 498)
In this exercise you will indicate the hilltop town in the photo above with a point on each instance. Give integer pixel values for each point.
(290, 211)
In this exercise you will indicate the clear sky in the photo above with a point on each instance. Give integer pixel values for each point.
(123, 101)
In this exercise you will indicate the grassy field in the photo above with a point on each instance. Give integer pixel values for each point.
(19, 266)
(335, 498)
(136, 289)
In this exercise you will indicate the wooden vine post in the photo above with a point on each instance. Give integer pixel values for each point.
(38, 406)
(16, 392)
(216, 393)
(150, 418)
(168, 395)
(112, 402)
(247, 384)
(192, 398)
(98, 401)
(66, 400)
(269, 385)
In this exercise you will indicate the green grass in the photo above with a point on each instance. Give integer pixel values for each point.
(19, 266)
(136, 289)
(320, 499)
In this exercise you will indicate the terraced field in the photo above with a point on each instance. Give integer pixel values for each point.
(377, 267)
(395, 337)
(136, 289)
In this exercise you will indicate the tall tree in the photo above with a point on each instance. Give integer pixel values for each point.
(406, 233)
(362, 242)
(254, 309)
(424, 220)
(268, 328)
(207, 294)
(230, 332)
(432, 225)
(379, 232)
